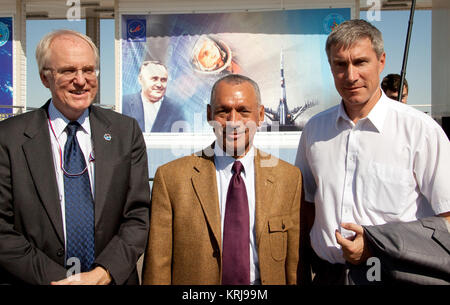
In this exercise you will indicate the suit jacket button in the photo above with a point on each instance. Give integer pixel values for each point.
(60, 252)
(216, 253)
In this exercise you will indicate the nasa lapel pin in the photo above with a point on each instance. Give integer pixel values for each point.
(107, 137)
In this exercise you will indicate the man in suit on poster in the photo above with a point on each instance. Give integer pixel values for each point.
(154, 111)
(230, 213)
(74, 192)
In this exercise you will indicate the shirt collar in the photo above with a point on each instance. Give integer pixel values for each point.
(59, 121)
(342, 116)
(145, 100)
(376, 116)
(378, 113)
(223, 161)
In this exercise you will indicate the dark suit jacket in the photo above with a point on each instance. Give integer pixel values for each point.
(413, 252)
(168, 113)
(31, 227)
(184, 244)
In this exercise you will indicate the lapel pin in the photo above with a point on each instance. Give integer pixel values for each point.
(107, 137)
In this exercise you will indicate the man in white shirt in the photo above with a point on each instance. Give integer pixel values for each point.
(368, 160)
(192, 235)
(154, 111)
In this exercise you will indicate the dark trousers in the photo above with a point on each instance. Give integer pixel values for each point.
(326, 273)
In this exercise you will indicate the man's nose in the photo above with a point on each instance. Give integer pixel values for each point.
(80, 79)
(158, 83)
(233, 117)
(352, 73)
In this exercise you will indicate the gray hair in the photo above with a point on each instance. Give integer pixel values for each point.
(43, 50)
(350, 31)
(151, 62)
(236, 79)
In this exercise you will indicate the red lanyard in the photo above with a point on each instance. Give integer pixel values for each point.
(91, 157)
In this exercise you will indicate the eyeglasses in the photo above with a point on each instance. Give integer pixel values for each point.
(89, 73)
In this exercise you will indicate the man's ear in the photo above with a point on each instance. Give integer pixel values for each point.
(261, 115)
(382, 62)
(44, 80)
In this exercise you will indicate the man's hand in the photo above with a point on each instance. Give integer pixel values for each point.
(97, 276)
(354, 250)
(446, 216)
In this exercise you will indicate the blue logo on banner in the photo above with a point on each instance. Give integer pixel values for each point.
(4, 34)
(136, 30)
(331, 21)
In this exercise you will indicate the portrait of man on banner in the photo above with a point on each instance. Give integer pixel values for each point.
(154, 111)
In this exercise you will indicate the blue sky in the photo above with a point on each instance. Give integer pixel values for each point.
(393, 25)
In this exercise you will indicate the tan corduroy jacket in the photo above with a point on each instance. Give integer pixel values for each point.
(184, 245)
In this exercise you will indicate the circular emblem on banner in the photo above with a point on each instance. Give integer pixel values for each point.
(4, 34)
(136, 29)
(331, 21)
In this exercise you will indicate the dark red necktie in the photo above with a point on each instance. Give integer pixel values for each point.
(236, 232)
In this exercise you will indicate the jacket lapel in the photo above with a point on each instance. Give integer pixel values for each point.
(205, 187)
(440, 232)
(443, 237)
(38, 155)
(264, 184)
(100, 127)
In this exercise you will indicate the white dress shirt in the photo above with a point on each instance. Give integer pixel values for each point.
(224, 163)
(150, 111)
(391, 166)
(58, 136)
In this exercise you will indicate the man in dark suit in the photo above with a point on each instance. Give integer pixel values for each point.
(57, 220)
(154, 111)
(202, 234)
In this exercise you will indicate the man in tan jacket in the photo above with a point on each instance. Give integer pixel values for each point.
(194, 238)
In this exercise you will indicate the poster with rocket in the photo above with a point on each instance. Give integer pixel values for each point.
(283, 51)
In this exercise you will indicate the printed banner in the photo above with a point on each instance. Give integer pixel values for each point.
(182, 55)
(6, 66)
